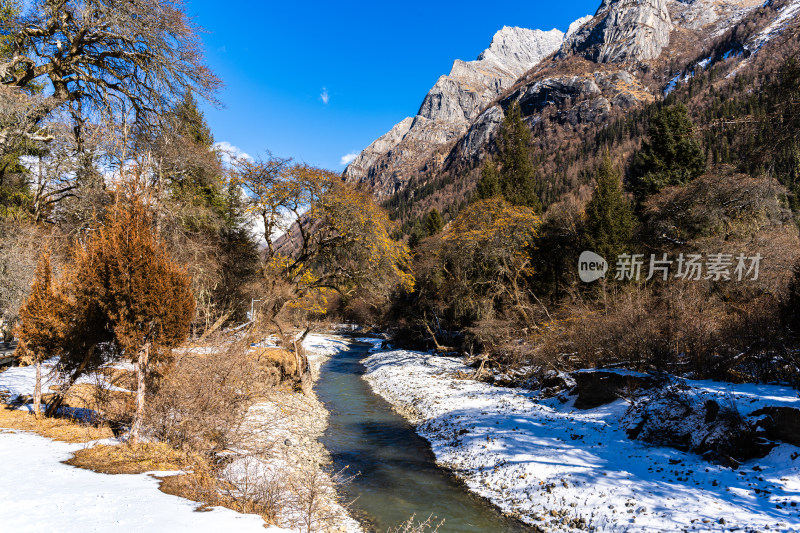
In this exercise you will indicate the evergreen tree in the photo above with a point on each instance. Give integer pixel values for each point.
(609, 217)
(672, 155)
(40, 330)
(124, 282)
(489, 184)
(517, 173)
(434, 223)
(192, 123)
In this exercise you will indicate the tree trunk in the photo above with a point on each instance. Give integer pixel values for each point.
(141, 374)
(37, 391)
(303, 367)
(59, 397)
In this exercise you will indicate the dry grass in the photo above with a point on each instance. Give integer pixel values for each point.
(198, 484)
(202, 487)
(61, 429)
(131, 458)
(112, 405)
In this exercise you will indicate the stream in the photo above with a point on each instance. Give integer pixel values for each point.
(397, 473)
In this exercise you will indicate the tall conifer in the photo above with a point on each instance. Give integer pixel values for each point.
(609, 217)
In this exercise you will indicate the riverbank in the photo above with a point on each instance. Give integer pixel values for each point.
(563, 469)
(282, 452)
(279, 456)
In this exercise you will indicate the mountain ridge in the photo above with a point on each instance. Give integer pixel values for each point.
(602, 70)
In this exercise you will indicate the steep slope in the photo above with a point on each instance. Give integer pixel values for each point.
(451, 106)
(629, 55)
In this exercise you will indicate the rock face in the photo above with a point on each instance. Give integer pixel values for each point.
(780, 423)
(453, 105)
(623, 31)
(593, 73)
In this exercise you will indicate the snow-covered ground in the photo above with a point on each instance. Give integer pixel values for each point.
(20, 380)
(567, 469)
(282, 442)
(40, 493)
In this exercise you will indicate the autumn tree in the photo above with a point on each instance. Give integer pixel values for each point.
(671, 156)
(124, 284)
(609, 217)
(478, 268)
(41, 329)
(319, 232)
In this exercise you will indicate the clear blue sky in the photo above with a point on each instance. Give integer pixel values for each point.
(318, 80)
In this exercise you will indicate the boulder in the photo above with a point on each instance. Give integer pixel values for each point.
(599, 387)
(779, 423)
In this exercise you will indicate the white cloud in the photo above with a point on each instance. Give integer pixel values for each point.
(324, 96)
(347, 159)
(229, 152)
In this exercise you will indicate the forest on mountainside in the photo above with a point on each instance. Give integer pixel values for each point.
(710, 171)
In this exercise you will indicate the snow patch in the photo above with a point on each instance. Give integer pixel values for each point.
(46, 495)
(548, 461)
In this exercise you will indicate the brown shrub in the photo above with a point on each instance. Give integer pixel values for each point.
(201, 399)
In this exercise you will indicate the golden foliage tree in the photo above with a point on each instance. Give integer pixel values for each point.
(320, 234)
(479, 267)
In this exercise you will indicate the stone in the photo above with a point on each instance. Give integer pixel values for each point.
(622, 31)
(599, 387)
(779, 423)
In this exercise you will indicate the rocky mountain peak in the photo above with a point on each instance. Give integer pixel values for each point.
(518, 49)
(622, 31)
(453, 103)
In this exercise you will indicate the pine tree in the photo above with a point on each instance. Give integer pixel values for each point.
(434, 223)
(191, 121)
(672, 155)
(417, 234)
(489, 184)
(609, 217)
(517, 173)
(40, 331)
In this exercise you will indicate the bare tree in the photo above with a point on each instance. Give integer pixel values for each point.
(117, 58)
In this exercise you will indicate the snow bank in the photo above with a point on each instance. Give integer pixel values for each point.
(42, 494)
(20, 380)
(566, 469)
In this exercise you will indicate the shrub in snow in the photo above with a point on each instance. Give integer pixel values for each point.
(673, 416)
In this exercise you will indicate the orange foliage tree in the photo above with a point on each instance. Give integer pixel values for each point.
(41, 328)
(124, 297)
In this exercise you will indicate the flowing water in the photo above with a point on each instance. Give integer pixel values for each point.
(397, 473)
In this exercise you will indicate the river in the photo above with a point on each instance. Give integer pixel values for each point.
(397, 474)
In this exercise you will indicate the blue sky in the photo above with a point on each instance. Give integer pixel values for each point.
(318, 80)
